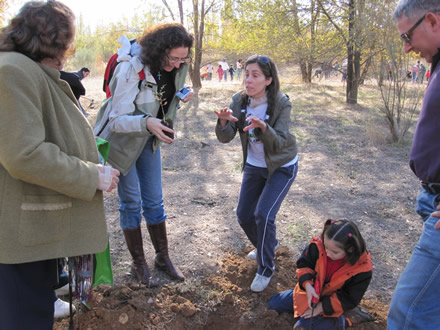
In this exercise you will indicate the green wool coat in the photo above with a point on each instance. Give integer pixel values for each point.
(49, 203)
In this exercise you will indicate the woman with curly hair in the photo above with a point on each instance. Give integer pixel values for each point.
(140, 114)
(51, 186)
(261, 115)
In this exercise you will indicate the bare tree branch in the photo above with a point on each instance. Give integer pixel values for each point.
(169, 9)
(332, 21)
(209, 8)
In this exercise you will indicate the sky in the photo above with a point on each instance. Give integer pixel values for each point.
(96, 12)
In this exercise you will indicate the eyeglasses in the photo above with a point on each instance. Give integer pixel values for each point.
(174, 60)
(262, 58)
(406, 37)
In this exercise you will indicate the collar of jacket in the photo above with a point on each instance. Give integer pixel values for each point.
(362, 265)
(435, 60)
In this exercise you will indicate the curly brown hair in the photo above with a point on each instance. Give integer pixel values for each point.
(40, 30)
(157, 42)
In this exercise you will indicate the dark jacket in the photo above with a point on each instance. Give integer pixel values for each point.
(345, 289)
(74, 82)
(425, 155)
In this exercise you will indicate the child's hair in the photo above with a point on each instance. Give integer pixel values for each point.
(347, 234)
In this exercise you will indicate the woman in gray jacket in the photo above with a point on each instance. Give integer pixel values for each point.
(140, 114)
(261, 115)
(51, 203)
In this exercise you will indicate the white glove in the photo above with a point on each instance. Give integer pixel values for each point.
(105, 179)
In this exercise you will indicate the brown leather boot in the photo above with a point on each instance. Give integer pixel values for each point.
(139, 267)
(158, 234)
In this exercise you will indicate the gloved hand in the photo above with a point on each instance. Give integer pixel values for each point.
(108, 178)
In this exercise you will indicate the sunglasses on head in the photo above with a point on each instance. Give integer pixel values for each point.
(259, 58)
(406, 37)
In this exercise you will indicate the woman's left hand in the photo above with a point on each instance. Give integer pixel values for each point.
(108, 178)
(255, 123)
(308, 313)
(188, 97)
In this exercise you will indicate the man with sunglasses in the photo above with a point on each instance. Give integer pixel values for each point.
(415, 301)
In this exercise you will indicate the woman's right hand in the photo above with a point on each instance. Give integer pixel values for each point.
(155, 126)
(108, 178)
(224, 116)
(310, 293)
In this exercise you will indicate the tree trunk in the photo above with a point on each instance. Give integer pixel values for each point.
(198, 38)
(365, 71)
(309, 72)
(352, 82)
(303, 67)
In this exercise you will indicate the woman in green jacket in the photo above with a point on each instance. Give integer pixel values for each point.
(51, 202)
(261, 115)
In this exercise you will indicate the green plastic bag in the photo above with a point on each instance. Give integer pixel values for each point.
(103, 149)
(103, 267)
(102, 263)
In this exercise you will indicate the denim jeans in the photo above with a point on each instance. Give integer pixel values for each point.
(142, 187)
(415, 300)
(258, 206)
(414, 76)
(283, 303)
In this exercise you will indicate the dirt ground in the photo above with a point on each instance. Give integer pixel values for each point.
(347, 169)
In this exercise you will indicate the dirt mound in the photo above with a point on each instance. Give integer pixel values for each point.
(220, 301)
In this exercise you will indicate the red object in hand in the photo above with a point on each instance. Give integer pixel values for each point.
(316, 286)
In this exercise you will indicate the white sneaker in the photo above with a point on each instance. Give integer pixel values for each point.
(260, 283)
(62, 309)
(253, 254)
(63, 291)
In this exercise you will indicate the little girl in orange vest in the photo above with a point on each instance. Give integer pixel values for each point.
(333, 273)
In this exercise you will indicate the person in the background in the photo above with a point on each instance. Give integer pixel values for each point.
(261, 115)
(415, 301)
(210, 69)
(415, 69)
(225, 67)
(51, 181)
(83, 73)
(220, 73)
(239, 68)
(422, 73)
(231, 71)
(76, 85)
(335, 269)
(141, 113)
